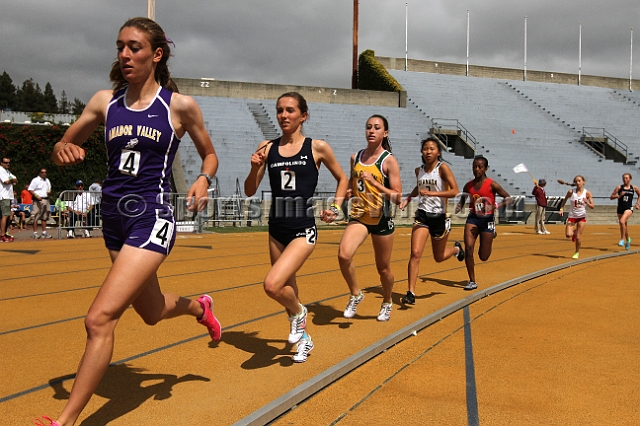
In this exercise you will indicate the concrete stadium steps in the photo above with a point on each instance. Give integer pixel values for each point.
(510, 130)
(235, 134)
(582, 106)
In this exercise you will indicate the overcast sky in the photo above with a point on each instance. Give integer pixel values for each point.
(71, 43)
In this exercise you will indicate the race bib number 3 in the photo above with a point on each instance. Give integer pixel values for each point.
(129, 162)
(162, 233)
(287, 180)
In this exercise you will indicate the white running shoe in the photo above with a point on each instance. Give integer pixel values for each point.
(305, 346)
(298, 325)
(385, 312)
(71, 234)
(350, 310)
(471, 285)
(86, 233)
(547, 232)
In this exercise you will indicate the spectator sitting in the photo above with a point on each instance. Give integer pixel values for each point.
(80, 211)
(17, 211)
(26, 198)
(61, 208)
(25, 195)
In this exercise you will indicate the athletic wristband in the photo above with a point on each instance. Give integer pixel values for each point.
(409, 199)
(335, 209)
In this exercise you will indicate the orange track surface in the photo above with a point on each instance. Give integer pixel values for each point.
(560, 349)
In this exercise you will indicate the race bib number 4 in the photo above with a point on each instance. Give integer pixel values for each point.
(162, 233)
(129, 162)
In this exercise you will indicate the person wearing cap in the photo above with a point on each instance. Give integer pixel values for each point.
(541, 206)
(79, 210)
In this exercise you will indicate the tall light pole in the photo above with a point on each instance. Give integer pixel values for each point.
(525, 48)
(631, 62)
(467, 72)
(354, 75)
(580, 54)
(151, 9)
(406, 36)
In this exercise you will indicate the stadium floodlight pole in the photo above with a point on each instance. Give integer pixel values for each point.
(354, 75)
(580, 54)
(467, 42)
(525, 48)
(406, 36)
(151, 9)
(631, 63)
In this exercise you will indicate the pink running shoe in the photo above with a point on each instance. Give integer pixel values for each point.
(38, 422)
(208, 319)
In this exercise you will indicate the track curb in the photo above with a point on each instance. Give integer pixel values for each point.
(289, 400)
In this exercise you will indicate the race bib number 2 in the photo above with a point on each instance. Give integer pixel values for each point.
(129, 162)
(288, 180)
(311, 234)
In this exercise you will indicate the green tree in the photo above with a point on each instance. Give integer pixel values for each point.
(49, 101)
(77, 106)
(7, 92)
(63, 104)
(29, 97)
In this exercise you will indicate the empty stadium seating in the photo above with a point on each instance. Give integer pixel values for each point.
(511, 128)
(513, 122)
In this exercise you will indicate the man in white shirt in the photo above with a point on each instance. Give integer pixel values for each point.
(80, 210)
(40, 188)
(7, 180)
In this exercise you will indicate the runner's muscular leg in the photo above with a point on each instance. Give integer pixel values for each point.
(280, 282)
(352, 238)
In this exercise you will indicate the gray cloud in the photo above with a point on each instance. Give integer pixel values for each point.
(71, 44)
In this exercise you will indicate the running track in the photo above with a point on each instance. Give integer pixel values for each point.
(558, 349)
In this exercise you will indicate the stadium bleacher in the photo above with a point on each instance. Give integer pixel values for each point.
(538, 124)
(342, 126)
(511, 129)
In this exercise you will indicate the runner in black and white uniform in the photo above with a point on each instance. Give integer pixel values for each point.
(292, 162)
(293, 182)
(436, 184)
(624, 194)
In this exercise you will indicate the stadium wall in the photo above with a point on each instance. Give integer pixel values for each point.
(415, 65)
(330, 95)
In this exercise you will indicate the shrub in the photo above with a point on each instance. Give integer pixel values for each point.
(29, 147)
(373, 76)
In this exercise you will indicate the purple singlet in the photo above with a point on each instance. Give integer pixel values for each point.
(141, 146)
